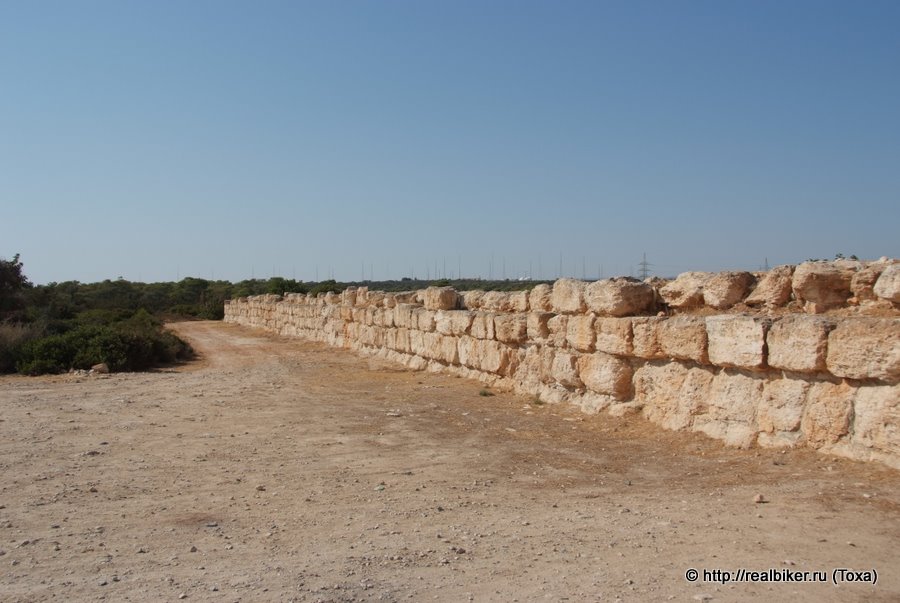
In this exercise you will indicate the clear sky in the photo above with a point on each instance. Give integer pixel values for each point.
(161, 139)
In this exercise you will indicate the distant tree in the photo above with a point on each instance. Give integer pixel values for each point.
(13, 283)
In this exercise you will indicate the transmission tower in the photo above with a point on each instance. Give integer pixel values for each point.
(645, 267)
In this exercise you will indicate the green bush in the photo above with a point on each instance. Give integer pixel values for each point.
(12, 337)
(135, 344)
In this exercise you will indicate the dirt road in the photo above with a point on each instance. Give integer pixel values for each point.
(280, 470)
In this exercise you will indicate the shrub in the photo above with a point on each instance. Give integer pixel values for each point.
(12, 337)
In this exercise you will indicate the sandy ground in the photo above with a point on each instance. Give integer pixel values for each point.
(280, 470)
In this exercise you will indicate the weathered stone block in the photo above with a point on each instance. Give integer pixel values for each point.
(781, 407)
(565, 369)
(725, 289)
(798, 343)
(686, 291)
(568, 296)
(511, 328)
(441, 298)
(645, 342)
(539, 298)
(736, 341)
(865, 348)
(618, 297)
(422, 319)
(606, 374)
(537, 325)
(482, 325)
(580, 332)
(731, 417)
(558, 326)
(876, 420)
(494, 357)
(453, 322)
(826, 418)
(672, 394)
(822, 285)
(683, 337)
(888, 284)
(472, 299)
(614, 336)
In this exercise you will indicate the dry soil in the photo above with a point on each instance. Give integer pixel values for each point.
(279, 470)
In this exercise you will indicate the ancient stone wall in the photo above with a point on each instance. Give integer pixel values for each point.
(798, 356)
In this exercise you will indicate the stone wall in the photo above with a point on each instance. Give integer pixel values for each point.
(751, 372)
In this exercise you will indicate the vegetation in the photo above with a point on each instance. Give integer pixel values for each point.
(60, 326)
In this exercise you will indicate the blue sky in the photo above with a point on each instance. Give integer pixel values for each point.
(157, 140)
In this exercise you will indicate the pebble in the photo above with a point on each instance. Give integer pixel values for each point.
(759, 498)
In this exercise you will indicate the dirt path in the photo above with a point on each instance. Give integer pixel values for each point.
(279, 470)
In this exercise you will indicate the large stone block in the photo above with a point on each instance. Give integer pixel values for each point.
(781, 407)
(725, 289)
(798, 343)
(537, 325)
(558, 326)
(822, 285)
(511, 328)
(494, 357)
(539, 298)
(422, 319)
(568, 296)
(645, 340)
(441, 298)
(672, 394)
(737, 341)
(618, 297)
(686, 291)
(606, 374)
(472, 299)
(865, 348)
(482, 325)
(614, 336)
(876, 420)
(453, 322)
(731, 416)
(888, 284)
(580, 332)
(683, 337)
(826, 418)
(565, 370)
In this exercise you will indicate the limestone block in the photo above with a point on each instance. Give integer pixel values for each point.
(348, 296)
(528, 372)
(468, 351)
(482, 325)
(876, 419)
(472, 299)
(686, 291)
(798, 343)
(433, 346)
(403, 315)
(440, 298)
(346, 312)
(453, 322)
(826, 418)
(448, 352)
(568, 296)
(725, 289)
(511, 328)
(888, 284)
(390, 300)
(558, 326)
(580, 332)
(672, 394)
(862, 284)
(781, 407)
(606, 374)
(540, 298)
(517, 301)
(614, 335)
(645, 342)
(732, 403)
(865, 348)
(332, 298)
(423, 320)
(736, 341)
(417, 343)
(618, 297)
(822, 285)
(537, 325)
(565, 369)
(683, 337)
(494, 356)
